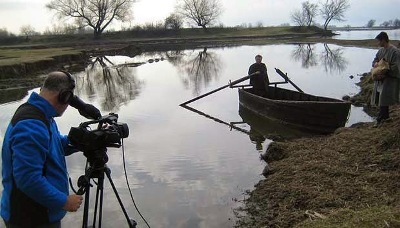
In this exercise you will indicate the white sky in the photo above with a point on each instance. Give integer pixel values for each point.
(17, 13)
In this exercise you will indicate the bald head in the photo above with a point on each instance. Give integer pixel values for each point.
(57, 81)
(58, 89)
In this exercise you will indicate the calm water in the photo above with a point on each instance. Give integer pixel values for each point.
(186, 170)
(393, 34)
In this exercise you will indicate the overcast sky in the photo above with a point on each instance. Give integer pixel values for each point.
(17, 13)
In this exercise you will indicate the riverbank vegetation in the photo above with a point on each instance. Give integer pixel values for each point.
(347, 179)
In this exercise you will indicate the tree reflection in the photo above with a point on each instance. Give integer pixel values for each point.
(305, 54)
(331, 59)
(113, 84)
(200, 68)
(176, 57)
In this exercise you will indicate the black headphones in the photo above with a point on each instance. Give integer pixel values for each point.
(66, 95)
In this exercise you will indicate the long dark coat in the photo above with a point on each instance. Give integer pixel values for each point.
(386, 92)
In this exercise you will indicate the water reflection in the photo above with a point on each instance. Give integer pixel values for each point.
(257, 138)
(306, 54)
(261, 128)
(175, 57)
(201, 68)
(332, 59)
(115, 84)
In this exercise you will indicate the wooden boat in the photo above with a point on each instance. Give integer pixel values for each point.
(304, 111)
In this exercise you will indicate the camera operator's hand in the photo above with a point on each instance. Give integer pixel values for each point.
(73, 203)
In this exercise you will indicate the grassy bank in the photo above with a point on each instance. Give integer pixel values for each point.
(12, 56)
(42, 49)
(347, 179)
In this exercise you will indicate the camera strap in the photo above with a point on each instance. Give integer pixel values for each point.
(29, 111)
(22, 204)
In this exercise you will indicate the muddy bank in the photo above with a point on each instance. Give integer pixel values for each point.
(24, 69)
(347, 179)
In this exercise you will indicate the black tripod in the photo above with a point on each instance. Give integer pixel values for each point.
(96, 169)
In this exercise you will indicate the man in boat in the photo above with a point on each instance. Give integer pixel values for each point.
(260, 80)
(386, 87)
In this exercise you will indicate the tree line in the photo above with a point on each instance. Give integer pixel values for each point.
(82, 16)
(98, 15)
(391, 23)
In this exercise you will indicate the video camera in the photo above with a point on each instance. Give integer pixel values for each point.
(93, 143)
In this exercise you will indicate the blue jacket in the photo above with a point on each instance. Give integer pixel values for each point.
(28, 150)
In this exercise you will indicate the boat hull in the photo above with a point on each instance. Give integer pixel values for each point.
(300, 110)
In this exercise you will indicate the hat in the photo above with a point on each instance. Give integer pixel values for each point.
(382, 36)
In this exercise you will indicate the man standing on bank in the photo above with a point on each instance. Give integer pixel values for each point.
(260, 80)
(386, 87)
(34, 170)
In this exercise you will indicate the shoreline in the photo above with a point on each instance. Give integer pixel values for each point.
(346, 179)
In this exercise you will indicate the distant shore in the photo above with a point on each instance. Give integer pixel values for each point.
(362, 28)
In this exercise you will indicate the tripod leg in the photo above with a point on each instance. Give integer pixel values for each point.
(101, 183)
(86, 208)
(132, 223)
(98, 189)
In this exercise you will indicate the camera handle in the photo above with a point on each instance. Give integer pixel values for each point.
(84, 184)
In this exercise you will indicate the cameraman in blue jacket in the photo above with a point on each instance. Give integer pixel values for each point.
(34, 171)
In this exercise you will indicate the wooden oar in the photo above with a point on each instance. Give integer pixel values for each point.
(220, 88)
(284, 76)
(216, 119)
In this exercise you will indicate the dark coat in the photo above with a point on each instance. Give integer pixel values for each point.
(259, 81)
(386, 92)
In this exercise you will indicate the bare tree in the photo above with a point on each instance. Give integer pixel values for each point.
(97, 14)
(333, 10)
(310, 11)
(173, 21)
(202, 12)
(28, 31)
(396, 23)
(305, 16)
(371, 23)
(298, 18)
(386, 23)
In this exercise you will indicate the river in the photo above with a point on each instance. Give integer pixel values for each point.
(186, 170)
(394, 34)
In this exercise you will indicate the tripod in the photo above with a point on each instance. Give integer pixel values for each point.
(98, 169)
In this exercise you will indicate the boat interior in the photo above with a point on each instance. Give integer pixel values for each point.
(276, 93)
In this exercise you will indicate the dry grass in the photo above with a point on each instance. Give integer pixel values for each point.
(348, 179)
(12, 56)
